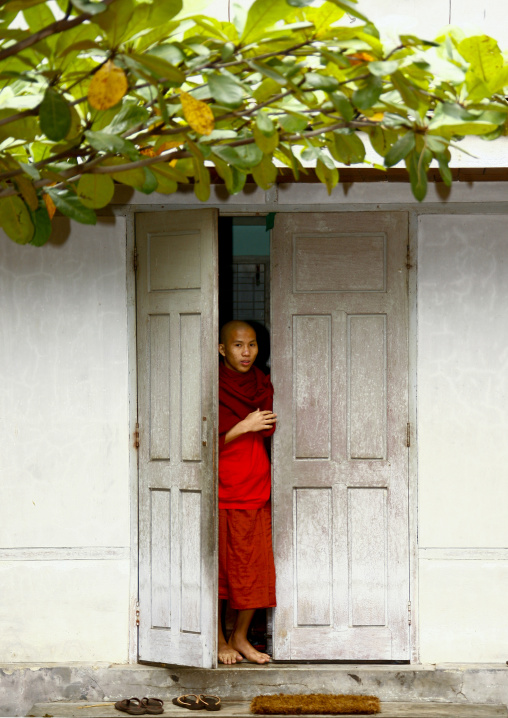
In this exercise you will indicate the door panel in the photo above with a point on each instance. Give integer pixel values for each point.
(177, 403)
(340, 368)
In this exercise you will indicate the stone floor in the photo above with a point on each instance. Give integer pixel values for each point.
(240, 709)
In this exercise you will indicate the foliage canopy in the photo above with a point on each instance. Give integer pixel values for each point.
(148, 94)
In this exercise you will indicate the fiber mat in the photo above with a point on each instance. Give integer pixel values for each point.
(314, 704)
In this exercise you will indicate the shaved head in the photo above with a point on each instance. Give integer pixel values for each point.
(227, 329)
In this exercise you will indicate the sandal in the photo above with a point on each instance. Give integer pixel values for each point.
(153, 705)
(132, 706)
(186, 701)
(212, 703)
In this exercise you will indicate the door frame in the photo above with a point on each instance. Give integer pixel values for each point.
(256, 210)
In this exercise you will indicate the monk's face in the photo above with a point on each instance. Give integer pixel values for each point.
(240, 349)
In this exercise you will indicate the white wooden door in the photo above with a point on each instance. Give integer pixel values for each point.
(177, 402)
(340, 497)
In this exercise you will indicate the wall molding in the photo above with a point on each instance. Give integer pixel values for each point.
(464, 554)
(75, 553)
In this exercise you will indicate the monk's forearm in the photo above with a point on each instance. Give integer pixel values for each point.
(235, 432)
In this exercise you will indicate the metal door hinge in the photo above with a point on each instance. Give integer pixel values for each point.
(409, 612)
(136, 436)
(135, 259)
(408, 435)
(137, 613)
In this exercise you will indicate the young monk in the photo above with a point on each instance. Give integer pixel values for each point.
(246, 566)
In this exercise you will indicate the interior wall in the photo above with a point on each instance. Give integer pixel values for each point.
(64, 514)
(462, 428)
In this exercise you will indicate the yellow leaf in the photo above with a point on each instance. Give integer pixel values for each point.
(28, 192)
(50, 205)
(197, 113)
(149, 152)
(377, 116)
(108, 86)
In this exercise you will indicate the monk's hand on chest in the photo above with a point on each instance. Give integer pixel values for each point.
(259, 420)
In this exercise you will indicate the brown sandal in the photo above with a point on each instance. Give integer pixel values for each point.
(153, 705)
(212, 703)
(186, 701)
(132, 706)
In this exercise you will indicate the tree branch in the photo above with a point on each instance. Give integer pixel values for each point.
(58, 26)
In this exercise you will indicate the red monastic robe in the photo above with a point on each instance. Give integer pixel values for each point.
(246, 567)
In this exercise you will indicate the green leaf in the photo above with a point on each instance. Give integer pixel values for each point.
(264, 123)
(317, 81)
(417, 167)
(130, 115)
(265, 173)
(329, 176)
(483, 54)
(158, 66)
(95, 190)
(69, 204)
(262, 14)
(369, 94)
(405, 90)
(201, 181)
(293, 123)
(132, 177)
(343, 105)
(105, 142)
(266, 144)
(243, 158)
(350, 9)
(400, 149)
(299, 3)
(42, 225)
(383, 68)
(347, 148)
(444, 169)
(234, 179)
(166, 184)
(225, 90)
(54, 116)
(450, 120)
(382, 139)
(15, 219)
(268, 71)
(150, 183)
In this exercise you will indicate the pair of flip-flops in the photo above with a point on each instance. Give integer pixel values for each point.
(200, 702)
(136, 707)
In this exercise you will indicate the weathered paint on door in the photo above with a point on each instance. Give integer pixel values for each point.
(177, 405)
(340, 496)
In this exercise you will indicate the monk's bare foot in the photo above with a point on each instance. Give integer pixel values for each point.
(228, 655)
(242, 645)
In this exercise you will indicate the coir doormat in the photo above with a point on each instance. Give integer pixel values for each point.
(314, 704)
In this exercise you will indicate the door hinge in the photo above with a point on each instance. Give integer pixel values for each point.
(409, 612)
(135, 259)
(136, 436)
(408, 435)
(137, 613)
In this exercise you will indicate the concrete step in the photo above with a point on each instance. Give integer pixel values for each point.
(24, 685)
(240, 709)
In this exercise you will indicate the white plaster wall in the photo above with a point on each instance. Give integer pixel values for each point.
(65, 427)
(463, 611)
(64, 611)
(462, 374)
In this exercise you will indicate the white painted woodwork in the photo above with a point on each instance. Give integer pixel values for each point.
(177, 404)
(340, 370)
